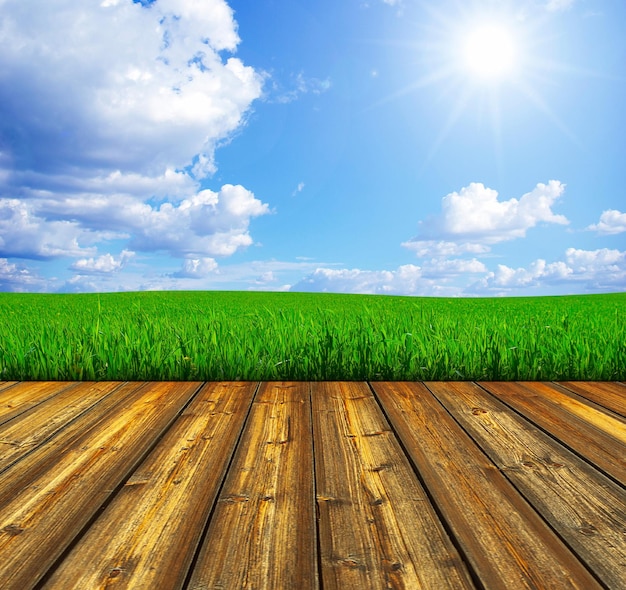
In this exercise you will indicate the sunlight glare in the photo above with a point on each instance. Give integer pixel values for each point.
(489, 51)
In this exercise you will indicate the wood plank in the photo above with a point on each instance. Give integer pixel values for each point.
(262, 534)
(610, 394)
(586, 508)
(51, 494)
(598, 436)
(149, 533)
(33, 427)
(377, 526)
(506, 542)
(7, 384)
(23, 396)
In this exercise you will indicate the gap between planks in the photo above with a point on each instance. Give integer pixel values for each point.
(302, 485)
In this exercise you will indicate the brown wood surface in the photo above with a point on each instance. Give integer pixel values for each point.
(377, 526)
(598, 436)
(148, 535)
(7, 384)
(262, 534)
(611, 395)
(312, 485)
(506, 542)
(22, 396)
(586, 508)
(34, 426)
(39, 521)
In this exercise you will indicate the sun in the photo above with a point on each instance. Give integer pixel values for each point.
(489, 52)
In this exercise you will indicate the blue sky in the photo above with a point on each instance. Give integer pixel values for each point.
(439, 148)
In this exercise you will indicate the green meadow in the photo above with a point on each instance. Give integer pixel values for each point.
(301, 336)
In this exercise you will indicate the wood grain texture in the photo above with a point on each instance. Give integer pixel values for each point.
(34, 426)
(22, 396)
(507, 544)
(51, 494)
(598, 436)
(148, 535)
(262, 534)
(586, 508)
(312, 485)
(611, 395)
(377, 526)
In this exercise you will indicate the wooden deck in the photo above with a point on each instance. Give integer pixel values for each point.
(312, 485)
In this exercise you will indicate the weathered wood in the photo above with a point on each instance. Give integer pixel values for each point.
(586, 508)
(377, 526)
(520, 486)
(598, 436)
(507, 544)
(148, 535)
(610, 394)
(22, 396)
(37, 424)
(262, 534)
(47, 498)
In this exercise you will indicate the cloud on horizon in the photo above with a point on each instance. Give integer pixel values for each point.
(592, 270)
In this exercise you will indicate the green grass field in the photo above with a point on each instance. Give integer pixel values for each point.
(301, 336)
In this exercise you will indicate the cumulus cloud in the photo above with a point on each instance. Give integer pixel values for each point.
(104, 264)
(474, 218)
(115, 84)
(196, 268)
(611, 222)
(359, 281)
(26, 234)
(17, 278)
(593, 270)
(207, 223)
(591, 261)
(110, 114)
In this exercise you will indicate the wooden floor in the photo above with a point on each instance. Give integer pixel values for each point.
(312, 485)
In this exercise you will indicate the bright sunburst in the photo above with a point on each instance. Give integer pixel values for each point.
(477, 61)
(489, 51)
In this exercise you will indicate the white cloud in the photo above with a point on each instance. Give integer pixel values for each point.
(25, 234)
(119, 85)
(438, 268)
(196, 268)
(405, 280)
(473, 219)
(590, 270)
(16, 278)
(111, 112)
(207, 223)
(592, 261)
(611, 222)
(440, 248)
(266, 277)
(298, 189)
(299, 86)
(104, 264)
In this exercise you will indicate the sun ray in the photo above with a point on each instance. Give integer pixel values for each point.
(537, 100)
(459, 108)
